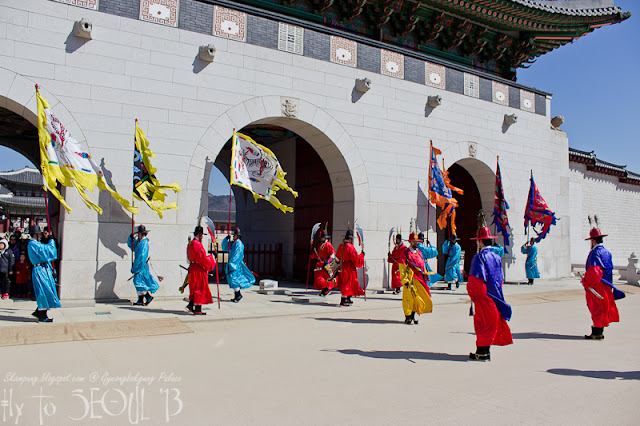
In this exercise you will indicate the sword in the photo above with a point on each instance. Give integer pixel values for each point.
(591, 288)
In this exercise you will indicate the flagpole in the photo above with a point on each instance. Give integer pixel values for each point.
(46, 206)
(495, 224)
(230, 185)
(133, 199)
(217, 276)
(428, 187)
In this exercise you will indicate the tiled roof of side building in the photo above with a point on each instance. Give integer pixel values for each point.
(26, 176)
(597, 165)
(34, 202)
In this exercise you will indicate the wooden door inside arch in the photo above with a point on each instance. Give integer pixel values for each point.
(466, 215)
(314, 204)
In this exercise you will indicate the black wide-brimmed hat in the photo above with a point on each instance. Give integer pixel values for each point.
(35, 229)
(142, 229)
(237, 232)
(454, 237)
(421, 236)
(324, 234)
(348, 235)
(199, 230)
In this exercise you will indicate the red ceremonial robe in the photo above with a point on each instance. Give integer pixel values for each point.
(348, 277)
(321, 276)
(397, 256)
(603, 309)
(199, 265)
(491, 328)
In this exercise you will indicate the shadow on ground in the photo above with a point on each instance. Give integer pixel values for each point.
(606, 374)
(548, 336)
(16, 319)
(408, 355)
(155, 311)
(360, 320)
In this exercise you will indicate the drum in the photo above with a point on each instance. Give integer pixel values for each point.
(332, 266)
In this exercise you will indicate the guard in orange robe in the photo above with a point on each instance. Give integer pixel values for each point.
(350, 261)
(199, 266)
(600, 292)
(397, 257)
(485, 289)
(323, 255)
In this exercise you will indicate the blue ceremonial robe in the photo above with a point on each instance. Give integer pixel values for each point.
(600, 256)
(238, 275)
(452, 268)
(487, 267)
(142, 278)
(40, 256)
(531, 264)
(429, 252)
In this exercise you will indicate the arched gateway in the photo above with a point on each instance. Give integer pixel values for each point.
(319, 156)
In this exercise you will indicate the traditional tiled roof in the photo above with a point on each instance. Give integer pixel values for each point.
(495, 36)
(26, 176)
(575, 7)
(221, 216)
(21, 201)
(595, 164)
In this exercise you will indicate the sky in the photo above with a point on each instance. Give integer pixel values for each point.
(593, 84)
(592, 81)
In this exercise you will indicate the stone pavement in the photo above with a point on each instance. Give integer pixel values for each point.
(255, 305)
(117, 320)
(347, 366)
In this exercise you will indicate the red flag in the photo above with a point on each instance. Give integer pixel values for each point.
(537, 212)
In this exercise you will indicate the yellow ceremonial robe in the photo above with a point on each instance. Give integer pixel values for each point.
(415, 297)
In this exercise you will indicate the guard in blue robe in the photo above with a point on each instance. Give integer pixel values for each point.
(452, 273)
(239, 276)
(144, 282)
(485, 290)
(531, 264)
(41, 256)
(428, 252)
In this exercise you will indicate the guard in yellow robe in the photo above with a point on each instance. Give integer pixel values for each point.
(416, 297)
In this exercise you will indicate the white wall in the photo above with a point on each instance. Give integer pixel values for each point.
(617, 206)
(375, 149)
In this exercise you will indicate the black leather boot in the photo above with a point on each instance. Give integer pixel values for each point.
(44, 317)
(140, 301)
(596, 334)
(413, 317)
(148, 298)
(482, 354)
(190, 306)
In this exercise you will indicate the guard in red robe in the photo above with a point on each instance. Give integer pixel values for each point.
(199, 266)
(600, 292)
(325, 257)
(350, 261)
(397, 257)
(485, 289)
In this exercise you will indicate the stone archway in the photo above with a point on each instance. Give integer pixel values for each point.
(327, 137)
